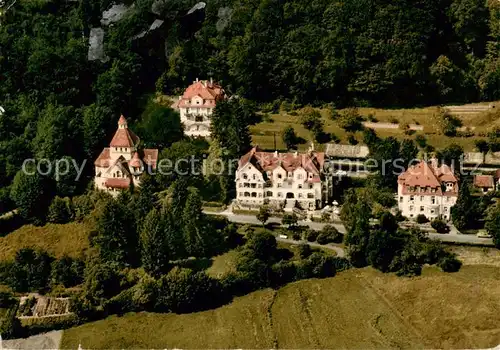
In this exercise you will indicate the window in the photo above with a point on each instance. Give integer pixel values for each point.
(310, 195)
(400, 199)
(253, 185)
(433, 200)
(445, 209)
(421, 198)
(432, 211)
(240, 185)
(301, 195)
(310, 186)
(299, 176)
(245, 176)
(422, 208)
(260, 195)
(280, 194)
(254, 176)
(269, 194)
(240, 194)
(300, 186)
(280, 185)
(279, 176)
(411, 207)
(412, 198)
(247, 194)
(290, 174)
(246, 184)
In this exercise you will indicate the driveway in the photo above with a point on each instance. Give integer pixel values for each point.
(453, 237)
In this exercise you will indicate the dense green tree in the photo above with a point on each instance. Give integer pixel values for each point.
(32, 195)
(451, 155)
(115, 233)
(96, 125)
(492, 224)
(229, 130)
(465, 211)
(155, 252)
(60, 211)
(67, 272)
(289, 137)
(264, 214)
(160, 127)
(290, 220)
(194, 225)
(30, 270)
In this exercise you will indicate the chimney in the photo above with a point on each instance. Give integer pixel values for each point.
(434, 162)
(295, 154)
(211, 81)
(196, 79)
(276, 154)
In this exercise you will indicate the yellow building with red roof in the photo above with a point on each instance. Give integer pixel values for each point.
(120, 165)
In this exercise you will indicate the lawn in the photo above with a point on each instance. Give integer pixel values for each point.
(70, 239)
(263, 132)
(356, 309)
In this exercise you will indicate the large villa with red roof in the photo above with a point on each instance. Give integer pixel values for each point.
(428, 189)
(282, 179)
(121, 164)
(196, 106)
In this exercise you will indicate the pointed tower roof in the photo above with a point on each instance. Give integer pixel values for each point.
(122, 121)
(135, 161)
(123, 136)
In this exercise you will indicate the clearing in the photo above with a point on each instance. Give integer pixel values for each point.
(57, 239)
(359, 308)
(478, 123)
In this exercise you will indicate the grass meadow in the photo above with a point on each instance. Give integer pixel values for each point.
(359, 308)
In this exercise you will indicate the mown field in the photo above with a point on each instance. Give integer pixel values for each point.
(356, 309)
(58, 240)
(263, 132)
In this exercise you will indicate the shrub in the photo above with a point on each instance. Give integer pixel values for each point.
(449, 263)
(60, 211)
(350, 120)
(421, 219)
(30, 270)
(372, 118)
(440, 226)
(304, 250)
(10, 327)
(296, 236)
(312, 235)
(352, 139)
(330, 235)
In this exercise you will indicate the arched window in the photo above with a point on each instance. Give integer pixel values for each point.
(247, 194)
(254, 194)
(310, 195)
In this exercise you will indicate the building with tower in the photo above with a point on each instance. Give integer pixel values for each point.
(120, 165)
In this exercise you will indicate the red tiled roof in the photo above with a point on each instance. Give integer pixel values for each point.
(122, 120)
(265, 161)
(210, 93)
(103, 159)
(484, 181)
(117, 183)
(150, 157)
(425, 179)
(135, 161)
(124, 138)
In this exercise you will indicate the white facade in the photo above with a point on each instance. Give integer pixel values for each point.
(427, 189)
(432, 206)
(259, 184)
(197, 105)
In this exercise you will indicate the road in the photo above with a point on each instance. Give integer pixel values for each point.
(453, 237)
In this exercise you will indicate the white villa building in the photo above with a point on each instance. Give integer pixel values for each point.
(282, 179)
(196, 106)
(120, 165)
(427, 189)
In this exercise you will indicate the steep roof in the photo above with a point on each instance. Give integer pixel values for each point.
(311, 162)
(209, 91)
(123, 136)
(428, 178)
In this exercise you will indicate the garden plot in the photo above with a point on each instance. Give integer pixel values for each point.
(37, 306)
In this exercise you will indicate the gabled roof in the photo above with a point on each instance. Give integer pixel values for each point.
(312, 162)
(428, 178)
(209, 91)
(484, 181)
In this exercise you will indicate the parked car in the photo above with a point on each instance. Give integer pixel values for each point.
(283, 236)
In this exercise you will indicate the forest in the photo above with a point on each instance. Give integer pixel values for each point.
(346, 53)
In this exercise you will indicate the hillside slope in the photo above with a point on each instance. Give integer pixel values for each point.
(356, 309)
